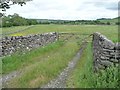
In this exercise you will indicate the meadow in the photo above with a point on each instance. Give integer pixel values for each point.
(6, 30)
(41, 65)
(111, 31)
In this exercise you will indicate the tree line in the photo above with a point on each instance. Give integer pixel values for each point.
(16, 20)
(76, 22)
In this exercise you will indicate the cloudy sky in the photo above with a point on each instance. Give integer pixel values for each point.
(67, 9)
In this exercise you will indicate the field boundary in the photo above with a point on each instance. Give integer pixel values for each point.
(14, 44)
(105, 52)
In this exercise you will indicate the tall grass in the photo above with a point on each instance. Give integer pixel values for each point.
(84, 77)
(108, 78)
(19, 60)
(46, 68)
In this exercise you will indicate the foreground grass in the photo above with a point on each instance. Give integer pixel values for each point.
(84, 77)
(46, 68)
(19, 60)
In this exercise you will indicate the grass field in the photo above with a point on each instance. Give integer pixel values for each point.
(12, 29)
(111, 31)
(112, 21)
(43, 64)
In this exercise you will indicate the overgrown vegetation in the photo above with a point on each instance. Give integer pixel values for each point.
(108, 78)
(84, 77)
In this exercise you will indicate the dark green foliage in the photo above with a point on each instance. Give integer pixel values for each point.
(5, 4)
(69, 22)
(16, 20)
(84, 77)
(107, 78)
(108, 23)
(117, 23)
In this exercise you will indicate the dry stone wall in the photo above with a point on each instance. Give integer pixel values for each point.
(105, 52)
(23, 43)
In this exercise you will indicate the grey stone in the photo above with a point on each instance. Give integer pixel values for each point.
(13, 44)
(105, 52)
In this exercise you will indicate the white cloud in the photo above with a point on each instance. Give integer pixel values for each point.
(66, 9)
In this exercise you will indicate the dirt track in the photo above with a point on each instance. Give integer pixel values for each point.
(60, 81)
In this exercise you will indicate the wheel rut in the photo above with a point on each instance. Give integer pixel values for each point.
(60, 81)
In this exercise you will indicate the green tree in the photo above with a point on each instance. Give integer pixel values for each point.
(108, 23)
(16, 20)
(5, 4)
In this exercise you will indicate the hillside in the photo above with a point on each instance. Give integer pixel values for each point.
(112, 21)
(100, 21)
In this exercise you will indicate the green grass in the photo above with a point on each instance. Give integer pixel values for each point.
(12, 29)
(83, 70)
(112, 21)
(18, 60)
(111, 31)
(108, 78)
(43, 64)
(84, 77)
(44, 67)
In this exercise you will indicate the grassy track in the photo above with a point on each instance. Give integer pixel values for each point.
(84, 77)
(45, 66)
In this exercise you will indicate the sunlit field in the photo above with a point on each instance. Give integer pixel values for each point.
(111, 31)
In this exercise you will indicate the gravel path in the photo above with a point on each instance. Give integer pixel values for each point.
(8, 77)
(60, 81)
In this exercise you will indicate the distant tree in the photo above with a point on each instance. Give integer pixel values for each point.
(16, 20)
(32, 22)
(117, 23)
(6, 22)
(108, 23)
(96, 22)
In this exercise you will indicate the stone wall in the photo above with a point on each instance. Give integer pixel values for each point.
(105, 52)
(23, 43)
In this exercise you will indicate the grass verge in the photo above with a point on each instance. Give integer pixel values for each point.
(84, 77)
(19, 60)
(44, 69)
